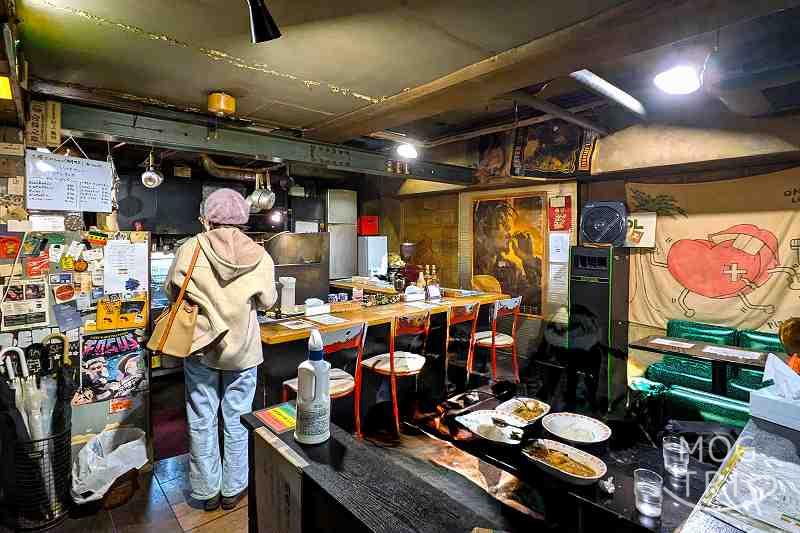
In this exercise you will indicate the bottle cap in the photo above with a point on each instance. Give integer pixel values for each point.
(315, 347)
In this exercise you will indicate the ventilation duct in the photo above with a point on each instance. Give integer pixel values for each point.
(262, 198)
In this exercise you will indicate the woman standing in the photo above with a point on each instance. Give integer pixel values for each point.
(232, 278)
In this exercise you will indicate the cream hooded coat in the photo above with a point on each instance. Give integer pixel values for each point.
(232, 278)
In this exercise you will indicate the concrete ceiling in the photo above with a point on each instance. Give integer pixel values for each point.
(334, 57)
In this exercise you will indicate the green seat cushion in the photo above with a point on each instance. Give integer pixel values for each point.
(709, 407)
(760, 340)
(680, 371)
(698, 331)
(744, 383)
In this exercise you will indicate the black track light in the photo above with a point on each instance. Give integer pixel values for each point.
(262, 25)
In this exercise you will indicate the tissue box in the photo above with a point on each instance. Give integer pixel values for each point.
(318, 310)
(765, 404)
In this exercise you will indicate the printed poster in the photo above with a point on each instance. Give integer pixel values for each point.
(726, 252)
(509, 245)
(113, 366)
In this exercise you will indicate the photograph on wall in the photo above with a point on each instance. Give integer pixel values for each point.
(553, 147)
(494, 156)
(725, 253)
(113, 366)
(509, 236)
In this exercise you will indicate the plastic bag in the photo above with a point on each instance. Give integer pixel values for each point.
(105, 458)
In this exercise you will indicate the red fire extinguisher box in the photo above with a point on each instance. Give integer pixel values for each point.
(368, 225)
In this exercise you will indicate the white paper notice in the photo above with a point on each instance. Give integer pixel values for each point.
(303, 226)
(60, 183)
(20, 226)
(328, 320)
(674, 344)
(297, 324)
(47, 222)
(558, 283)
(125, 267)
(559, 247)
(730, 352)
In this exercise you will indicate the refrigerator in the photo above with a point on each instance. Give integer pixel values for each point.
(373, 256)
(342, 214)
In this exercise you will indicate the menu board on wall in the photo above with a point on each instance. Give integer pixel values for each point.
(61, 183)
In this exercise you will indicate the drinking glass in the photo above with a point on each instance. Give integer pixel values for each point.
(676, 455)
(648, 489)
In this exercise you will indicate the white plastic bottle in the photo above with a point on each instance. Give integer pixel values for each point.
(313, 395)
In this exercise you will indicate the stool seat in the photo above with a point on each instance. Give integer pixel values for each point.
(405, 363)
(342, 384)
(484, 339)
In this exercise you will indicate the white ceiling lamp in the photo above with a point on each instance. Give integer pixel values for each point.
(151, 178)
(407, 151)
(679, 80)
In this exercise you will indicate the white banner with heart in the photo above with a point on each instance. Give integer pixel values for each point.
(727, 252)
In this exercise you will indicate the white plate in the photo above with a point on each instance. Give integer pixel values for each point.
(480, 423)
(507, 408)
(575, 454)
(576, 428)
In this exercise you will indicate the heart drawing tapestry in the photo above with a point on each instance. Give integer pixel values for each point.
(727, 252)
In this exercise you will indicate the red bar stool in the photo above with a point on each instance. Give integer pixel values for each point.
(398, 364)
(459, 314)
(494, 340)
(342, 384)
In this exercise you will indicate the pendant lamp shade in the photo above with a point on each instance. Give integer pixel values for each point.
(262, 25)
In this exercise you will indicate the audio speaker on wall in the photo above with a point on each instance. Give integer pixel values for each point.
(604, 223)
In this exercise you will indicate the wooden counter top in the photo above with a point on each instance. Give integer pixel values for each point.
(367, 287)
(382, 314)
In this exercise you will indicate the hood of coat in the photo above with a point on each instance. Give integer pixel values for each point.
(230, 252)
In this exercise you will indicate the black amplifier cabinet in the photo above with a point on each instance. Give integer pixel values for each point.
(598, 327)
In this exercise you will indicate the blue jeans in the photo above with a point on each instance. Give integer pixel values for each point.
(207, 475)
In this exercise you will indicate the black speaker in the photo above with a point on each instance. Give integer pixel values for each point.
(597, 339)
(604, 223)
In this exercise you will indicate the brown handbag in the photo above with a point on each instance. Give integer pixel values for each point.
(174, 328)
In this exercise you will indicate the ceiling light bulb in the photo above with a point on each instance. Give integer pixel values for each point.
(682, 79)
(407, 150)
(152, 178)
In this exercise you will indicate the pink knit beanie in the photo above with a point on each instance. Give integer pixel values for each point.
(226, 206)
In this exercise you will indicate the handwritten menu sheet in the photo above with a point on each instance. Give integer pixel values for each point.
(60, 183)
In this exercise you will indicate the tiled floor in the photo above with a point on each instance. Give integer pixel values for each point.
(161, 504)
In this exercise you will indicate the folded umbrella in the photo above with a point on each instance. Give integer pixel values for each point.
(11, 395)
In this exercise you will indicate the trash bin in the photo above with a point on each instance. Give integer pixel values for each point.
(105, 458)
(40, 495)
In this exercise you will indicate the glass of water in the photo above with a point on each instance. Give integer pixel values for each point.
(676, 456)
(648, 489)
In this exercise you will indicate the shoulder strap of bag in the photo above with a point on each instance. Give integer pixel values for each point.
(177, 305)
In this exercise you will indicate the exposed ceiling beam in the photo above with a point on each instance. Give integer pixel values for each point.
(471, 134)
(632, 27)
(115, 126)
(521, 97)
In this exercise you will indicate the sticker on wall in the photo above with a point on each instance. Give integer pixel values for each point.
(641, 230)
(559, 213)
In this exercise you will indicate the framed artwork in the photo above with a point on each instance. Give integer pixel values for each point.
(509, 244)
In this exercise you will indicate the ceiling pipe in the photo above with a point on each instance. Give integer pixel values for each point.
(544, 106)
(609, 90)
(229, 172)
